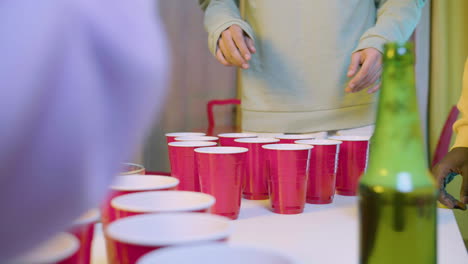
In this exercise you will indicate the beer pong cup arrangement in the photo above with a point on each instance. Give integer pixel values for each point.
(83, 230)
(170, 137)
(161, 202)
(137, 235)
(216, 253)
(131, 184)
(183, 164)
(290, 139)
(58, 250)
(288, 166)
(322, 170)
(221, 170)
(352, 162)
(227, 139)
(132, 169)
(197, 138)
(254, 182)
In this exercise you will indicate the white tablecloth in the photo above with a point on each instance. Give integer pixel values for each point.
(322, 234)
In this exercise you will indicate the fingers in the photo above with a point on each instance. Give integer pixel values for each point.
(369, 72)
(220, 58)
(448, 200)
(440, 172)
(374, 89)
(239, 40)
(464, 186)
(250, 44)
(354, 66)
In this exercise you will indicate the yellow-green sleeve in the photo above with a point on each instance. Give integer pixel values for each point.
(396, 21)
(220, 15)
(461, 126)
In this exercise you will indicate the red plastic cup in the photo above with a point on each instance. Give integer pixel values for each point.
(227, 139)
(288, 166)
(170, 137)
(135, 236)
(131, 184)
(352, 162)
(132, 169)
(255, 180)
(183, 163)
(291, 138)
(60, 249)
(198, 138)
(161, 202)
(217, 253)
(83, 230)
(322, 171)
(221, 170)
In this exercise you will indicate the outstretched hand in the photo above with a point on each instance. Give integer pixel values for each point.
(365, 70)
(235, 48)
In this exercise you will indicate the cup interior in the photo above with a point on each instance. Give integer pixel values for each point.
(143, 182)
(295, 136)
(92, 216)
(215, 253)
(257, 140)
(132, 168)
(168, 201)
(192, 144)
(319, 142)
(184, 134)
(170, 229)
(237, 135)
(287, 146)
(350, 138)
(221, 150)
(54, 250)
(196, 138)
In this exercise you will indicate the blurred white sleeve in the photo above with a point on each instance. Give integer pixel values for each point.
(80, 81)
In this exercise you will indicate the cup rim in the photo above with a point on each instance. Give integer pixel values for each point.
(319, 142)
(140, 169)
(196, 138)
(295, 136)
(148, 182)
(183, 134)
(192, 144)
(237, 135)
(350, 138)
(58, 248)
(91, 216)
(145, 202)
(221, 150)
(203, 249)
(286, 147)
(258, 140)
(123, 229)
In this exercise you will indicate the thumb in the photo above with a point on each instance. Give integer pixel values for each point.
(355, 61)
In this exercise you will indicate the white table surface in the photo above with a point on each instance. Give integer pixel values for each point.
(315, 235)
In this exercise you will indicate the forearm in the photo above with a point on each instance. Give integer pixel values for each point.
(396, 21)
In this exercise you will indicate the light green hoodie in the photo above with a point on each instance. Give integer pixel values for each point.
(297, 78)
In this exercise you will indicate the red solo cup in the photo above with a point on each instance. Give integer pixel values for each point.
(137, 235)
(291, 138)
(198, 138)
(161, 202)
(132, 184)
(254, 183)
(184, 165)
(288, 166)
(216, 253)
(83, 230)
(322, 170)
(221, 170)
(60, 249)
(352, 162)
(227, 139)
(170, 137)
(132, 169)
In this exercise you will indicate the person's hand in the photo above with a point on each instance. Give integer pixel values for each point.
(365, 68)
(456, 161)
(235, 48)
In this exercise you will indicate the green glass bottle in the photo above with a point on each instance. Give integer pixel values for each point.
(397, 195)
